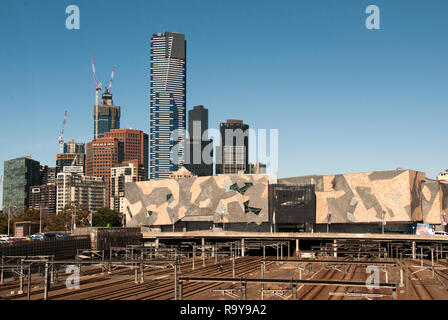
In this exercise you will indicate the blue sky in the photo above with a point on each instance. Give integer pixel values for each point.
(344, 98)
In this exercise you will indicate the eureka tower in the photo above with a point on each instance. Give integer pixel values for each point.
(167, 102)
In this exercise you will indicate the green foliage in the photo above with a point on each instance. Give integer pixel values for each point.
(63, 220)
(3, 223)
(106, 217)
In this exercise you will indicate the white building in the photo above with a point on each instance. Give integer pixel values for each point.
(81, 190)
(129, 171)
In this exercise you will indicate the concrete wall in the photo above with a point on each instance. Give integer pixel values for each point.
(104, 238)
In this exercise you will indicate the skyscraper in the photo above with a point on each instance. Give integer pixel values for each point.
(101, 155)
(106, 116)
(232, 156)
(74, 155)
(135, 147)
(167, 102)
(198, 148)
(19, 175)
(75, 188)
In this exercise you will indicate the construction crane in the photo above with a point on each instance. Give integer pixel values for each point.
(110, 81)
(74, 160)
(98, 86)
(61, 136)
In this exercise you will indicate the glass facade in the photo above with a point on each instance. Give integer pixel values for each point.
(19, 175)
(167, 103)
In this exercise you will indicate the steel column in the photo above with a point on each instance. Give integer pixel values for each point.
(28, 292)
(46, 284)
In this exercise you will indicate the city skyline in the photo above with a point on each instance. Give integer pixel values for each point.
(351, 98)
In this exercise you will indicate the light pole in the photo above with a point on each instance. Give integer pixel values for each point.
(9, 216)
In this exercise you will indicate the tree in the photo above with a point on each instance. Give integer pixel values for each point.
(3, 223)
(63, 220)
(106, 217)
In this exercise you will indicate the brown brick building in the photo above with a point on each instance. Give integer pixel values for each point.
(101, 155)
(118, 145)
(135, 146)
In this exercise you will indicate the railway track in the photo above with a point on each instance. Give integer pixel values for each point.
(165, 289)
(419, 290)
(159, 283)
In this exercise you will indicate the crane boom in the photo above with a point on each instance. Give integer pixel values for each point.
(94, 73)
(111, 78)
(61, 136)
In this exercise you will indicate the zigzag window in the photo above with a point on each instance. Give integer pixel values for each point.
(247, 185)
(248, 209)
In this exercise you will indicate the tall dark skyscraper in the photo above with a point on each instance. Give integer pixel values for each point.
(232, 156)
(19, 175)
(198, 116)
(167, 101)
(199, 149)
(106, 116)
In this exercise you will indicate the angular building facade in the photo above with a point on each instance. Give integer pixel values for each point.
(19, 175)
(198, 147)
(167, 103)
(106, 116)
(229, 202)
(232, 156)
(357, 203)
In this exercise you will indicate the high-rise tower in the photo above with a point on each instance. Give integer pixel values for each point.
(167, 103)
(232, 156)
(198, 148)
(106, 116)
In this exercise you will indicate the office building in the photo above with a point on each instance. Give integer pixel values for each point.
(127, 171)
(232, 156)
(75, 188)
(101, 155)
(43, 198)
(74, 147)
(64, 160)
(198, 147)
(73, 156)
(135, 147)
(257, 168)
(106, 116)
(167, 103)
(19, 175)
